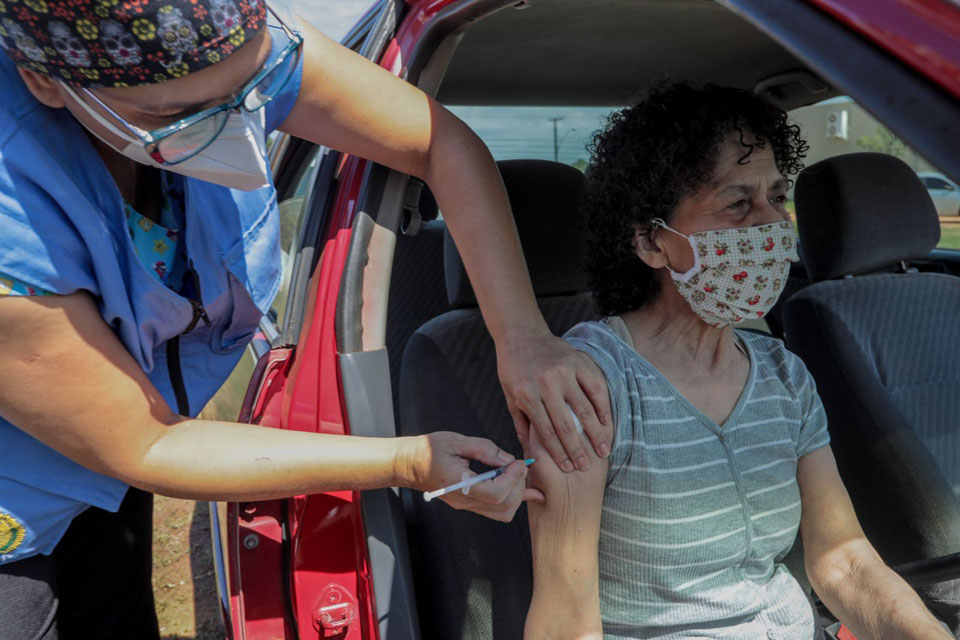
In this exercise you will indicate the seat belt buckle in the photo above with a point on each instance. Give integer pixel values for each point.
(839, 631)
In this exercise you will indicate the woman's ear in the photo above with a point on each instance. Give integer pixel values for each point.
(649, 247)
(44, 88)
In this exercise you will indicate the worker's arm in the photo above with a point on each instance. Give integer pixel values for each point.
(69, 382)
(349, 103)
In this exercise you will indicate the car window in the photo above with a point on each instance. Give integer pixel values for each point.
(536, 133)
(840, 125)
(937, 183)
(292, 209)
(832, 127)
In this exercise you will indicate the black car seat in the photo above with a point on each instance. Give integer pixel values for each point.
(472, 575)
(883, 344)
(417, 289)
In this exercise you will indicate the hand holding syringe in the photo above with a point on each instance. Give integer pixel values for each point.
(468, 481)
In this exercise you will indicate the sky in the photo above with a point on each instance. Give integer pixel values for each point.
(333, 17)
(510, 132)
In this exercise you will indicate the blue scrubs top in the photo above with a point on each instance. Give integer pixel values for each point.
(63, 228)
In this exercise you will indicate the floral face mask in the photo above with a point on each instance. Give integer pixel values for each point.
(737, 273)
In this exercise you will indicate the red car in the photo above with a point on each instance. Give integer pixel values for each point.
(376, 326)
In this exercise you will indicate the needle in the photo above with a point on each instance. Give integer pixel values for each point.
(468, 481)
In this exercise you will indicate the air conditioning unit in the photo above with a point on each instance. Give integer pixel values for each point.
(837, 124)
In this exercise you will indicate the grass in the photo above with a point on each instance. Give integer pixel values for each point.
(949, 236)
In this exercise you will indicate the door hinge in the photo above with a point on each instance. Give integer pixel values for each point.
(336, 609)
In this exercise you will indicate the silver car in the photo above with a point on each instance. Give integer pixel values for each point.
(944, 192)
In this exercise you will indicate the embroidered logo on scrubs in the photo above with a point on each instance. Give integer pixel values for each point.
(12, 533)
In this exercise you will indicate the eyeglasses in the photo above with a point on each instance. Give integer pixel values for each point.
(189, 136)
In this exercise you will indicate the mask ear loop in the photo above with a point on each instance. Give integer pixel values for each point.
(99, 118)
(692, 271)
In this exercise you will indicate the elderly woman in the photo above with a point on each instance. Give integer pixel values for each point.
(721, 451)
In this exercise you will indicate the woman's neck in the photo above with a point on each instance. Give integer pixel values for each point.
(668, 331)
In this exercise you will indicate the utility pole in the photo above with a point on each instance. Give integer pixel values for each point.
(556, 145)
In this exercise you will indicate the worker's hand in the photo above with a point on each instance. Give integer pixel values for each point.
(541, 375)
(436, 460)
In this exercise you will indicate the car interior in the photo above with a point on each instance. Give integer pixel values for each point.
(871, 307)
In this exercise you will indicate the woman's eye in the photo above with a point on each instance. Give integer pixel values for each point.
(739, 205)
(780, 199)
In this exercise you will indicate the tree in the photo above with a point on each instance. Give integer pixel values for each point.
(884, 141)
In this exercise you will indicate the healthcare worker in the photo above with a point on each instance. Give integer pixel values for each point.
(138, 250)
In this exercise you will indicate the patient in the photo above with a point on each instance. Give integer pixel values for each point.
(721, 453)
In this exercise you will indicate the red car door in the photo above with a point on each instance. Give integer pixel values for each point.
(298, 568)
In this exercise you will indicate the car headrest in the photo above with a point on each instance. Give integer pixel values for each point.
(545, 198)
(860, 212)
(427, 205)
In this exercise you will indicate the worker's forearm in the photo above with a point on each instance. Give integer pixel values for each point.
(207, 460)
(876, 603)
(468, 188)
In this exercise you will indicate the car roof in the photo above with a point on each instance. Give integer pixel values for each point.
(600, 53)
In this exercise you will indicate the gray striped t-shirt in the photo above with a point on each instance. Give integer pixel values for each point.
(696, 517)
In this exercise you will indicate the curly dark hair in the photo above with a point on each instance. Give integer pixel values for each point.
(649, 156)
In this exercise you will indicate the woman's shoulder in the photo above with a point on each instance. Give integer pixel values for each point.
(774, 359)
(598, 335)
(605, 347)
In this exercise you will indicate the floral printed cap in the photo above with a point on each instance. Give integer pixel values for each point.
(121, 43)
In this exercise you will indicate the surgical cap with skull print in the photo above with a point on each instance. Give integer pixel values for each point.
(119, 43)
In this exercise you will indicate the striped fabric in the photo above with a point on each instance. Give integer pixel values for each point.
(696, 517)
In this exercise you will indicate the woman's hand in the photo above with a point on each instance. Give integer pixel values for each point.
(435, 460)
(541, 375)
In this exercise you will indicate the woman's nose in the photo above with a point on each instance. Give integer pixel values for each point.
(771, 213)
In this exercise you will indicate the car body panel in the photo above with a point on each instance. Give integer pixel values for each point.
(923, 33)
(306, 544)
(946, 199)
(313, 552)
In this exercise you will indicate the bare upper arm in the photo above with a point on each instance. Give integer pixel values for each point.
(573, 501)
(69, 382)
(351, 104)
(833, 540)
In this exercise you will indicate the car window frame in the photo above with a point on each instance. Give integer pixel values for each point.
(911, 105)
(287, 157)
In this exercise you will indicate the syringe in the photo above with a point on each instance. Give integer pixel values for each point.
(469, 480)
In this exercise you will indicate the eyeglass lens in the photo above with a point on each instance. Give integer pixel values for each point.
(189, 140)
(182, 144)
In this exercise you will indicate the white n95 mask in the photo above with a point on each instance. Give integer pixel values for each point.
(236, 158)
(738, 273)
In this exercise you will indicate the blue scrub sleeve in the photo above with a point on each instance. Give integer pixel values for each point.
(280, 107)
(40, 245)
